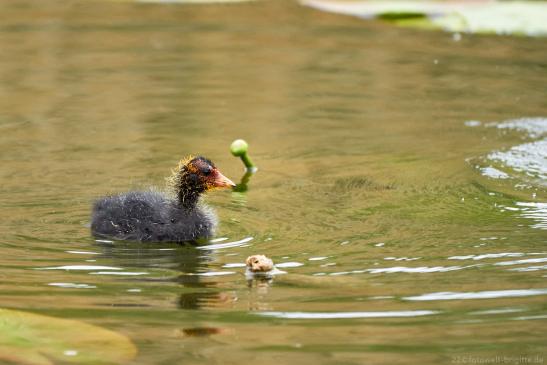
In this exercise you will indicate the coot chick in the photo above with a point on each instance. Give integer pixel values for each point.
(153, 216)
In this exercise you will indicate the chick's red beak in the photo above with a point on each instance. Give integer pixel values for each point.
(221, 181)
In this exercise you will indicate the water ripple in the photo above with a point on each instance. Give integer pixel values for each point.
(494, 173)
(529, 158)
(289, 264)
(121, 273)
(73, 285)
(402, 258)
(536, 211)
(220, 246)
(487, 256)
(519, 262)
(343, 315)
(79, 267)
(497, 311)
(534, 127)
(83, 252)
(234, 264)
(527, 318)
(318, 258)
(478, 295)
(529, 268)
(210, 273)
(421, 269)
(403, 269)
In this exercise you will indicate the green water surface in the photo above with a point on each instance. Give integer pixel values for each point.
(396, 248)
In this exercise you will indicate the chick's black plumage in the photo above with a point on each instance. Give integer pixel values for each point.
(154, 216)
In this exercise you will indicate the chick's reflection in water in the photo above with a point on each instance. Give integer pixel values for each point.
(184, 264)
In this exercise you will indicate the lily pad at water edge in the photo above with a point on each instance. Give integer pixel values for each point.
(34, 339)
(499, 17)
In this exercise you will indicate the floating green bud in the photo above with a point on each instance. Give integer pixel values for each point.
(239, 149)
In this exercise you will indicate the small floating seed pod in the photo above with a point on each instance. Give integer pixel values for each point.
(259, 263)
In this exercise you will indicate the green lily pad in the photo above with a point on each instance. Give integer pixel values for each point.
(507, 17)
(34, 339)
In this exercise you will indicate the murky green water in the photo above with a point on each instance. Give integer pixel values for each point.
(397, 247)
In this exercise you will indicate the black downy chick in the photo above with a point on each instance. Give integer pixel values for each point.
(151, 216)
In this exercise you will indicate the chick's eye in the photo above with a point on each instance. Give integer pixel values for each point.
(207, 171)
